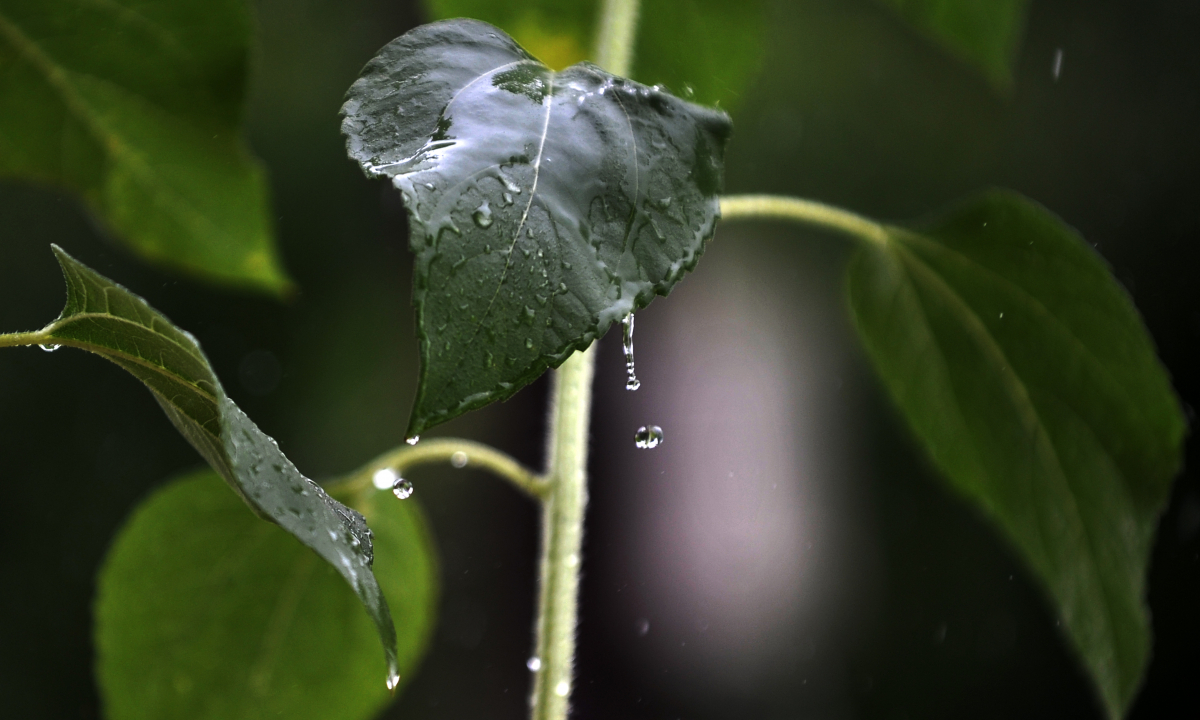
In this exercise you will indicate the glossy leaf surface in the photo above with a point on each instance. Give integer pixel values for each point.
(105, 318)
(543, 205)
(203, 612)
(137, 107)
(1026, 373)
(985, 33)
(714, 47)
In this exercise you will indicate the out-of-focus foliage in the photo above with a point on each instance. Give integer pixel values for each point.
(985, 33)
(205, 612)
(704, 50)
(137, 107)
(1027, 374)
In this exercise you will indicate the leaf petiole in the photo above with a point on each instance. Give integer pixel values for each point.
(37, 337)
(810, 212)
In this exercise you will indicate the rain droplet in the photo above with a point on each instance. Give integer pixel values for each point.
(49, 348)
(393, 679)
(413, 440)
(562, 689)
(384, 478)
(402, 488)
(483, 216)
(631, 383)
(648, 437)
(534, 663)
(459, 459)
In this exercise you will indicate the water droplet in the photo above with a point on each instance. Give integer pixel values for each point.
(459, 459)
(631, 383)
(508, 199)
(393, 680)
(562, 689)
(643, 627)
(573, 560)
(49, 348)
(534, 663)
(648, 437)
(384, 478)
(528, 343)
(402, 488)
(1056, 66)
(483, 216)
(413, 440)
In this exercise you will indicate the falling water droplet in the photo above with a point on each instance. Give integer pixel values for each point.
(384, 478)
(402, 488)
(459, 459)
(49, 348)
(483, 216)
(393, 679)
(632, 383)
(648, 437)
(534, 663)
(413, 440)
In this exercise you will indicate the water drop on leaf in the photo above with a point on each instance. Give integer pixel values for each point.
(483, 216)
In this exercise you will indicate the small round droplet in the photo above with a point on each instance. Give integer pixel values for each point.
(459, 459)
(402, 489)
(483, 216)
(562, 689)
(413, 440)
(393, 679)
(384, 478)
(49, 348)
(534, 663)
(648, 437)
(528, 343)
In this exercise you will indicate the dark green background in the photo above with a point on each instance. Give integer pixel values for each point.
(852, 108)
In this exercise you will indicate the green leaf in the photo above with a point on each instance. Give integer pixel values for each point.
(204, 612)
(105, 318)
(137, 106)
(714, 47)
(543, 205)
(1025, 371)
(985, 33)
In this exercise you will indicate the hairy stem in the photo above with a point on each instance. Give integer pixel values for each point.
(775, 207)
(442, 450)
(23, 339)
(564, 506)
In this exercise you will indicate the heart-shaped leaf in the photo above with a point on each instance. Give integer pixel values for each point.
(1026, 372)
(105, 318)
(137, 107)
(544, 205)
(205, 613)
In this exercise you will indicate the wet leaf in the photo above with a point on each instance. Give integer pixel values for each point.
(543, 205)
(137, 107)
(105, 318)
(714, 47)
(1025, 371)
(202, 611)
(985, 33)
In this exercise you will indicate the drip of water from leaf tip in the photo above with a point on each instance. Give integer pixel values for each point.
(384, 478)
(49, 348)
(413, 440)
(483, 216)
(647, 438)
(393, 680)
(631, 383)
(534, 663)
(459, 459)
(402, 489)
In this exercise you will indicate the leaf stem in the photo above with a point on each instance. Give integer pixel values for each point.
(22, 339)
(440, 450)
(615, 35)
(777, 207)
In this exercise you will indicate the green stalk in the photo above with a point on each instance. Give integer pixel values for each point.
(565, 502)
(810, 212)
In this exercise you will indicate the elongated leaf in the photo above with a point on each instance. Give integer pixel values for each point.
(105, 318)
(714, 47)
(203, 612)
(1026, 372)
(543, 205)
(137, 107)
(985, 33)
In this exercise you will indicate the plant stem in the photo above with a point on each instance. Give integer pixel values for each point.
(564, 505)
(23, 339)
(442, 450)
(765, 207)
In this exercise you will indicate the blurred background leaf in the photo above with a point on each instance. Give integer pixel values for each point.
(707, 51)
(1027, 374)
(204, 611)
(137, 107)
(984, 33)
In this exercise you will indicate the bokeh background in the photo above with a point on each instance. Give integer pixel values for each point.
(787, 552)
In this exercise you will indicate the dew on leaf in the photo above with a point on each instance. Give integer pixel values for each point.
(483, 216)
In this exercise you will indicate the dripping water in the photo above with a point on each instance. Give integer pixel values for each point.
(648, 438)
(632, 383)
